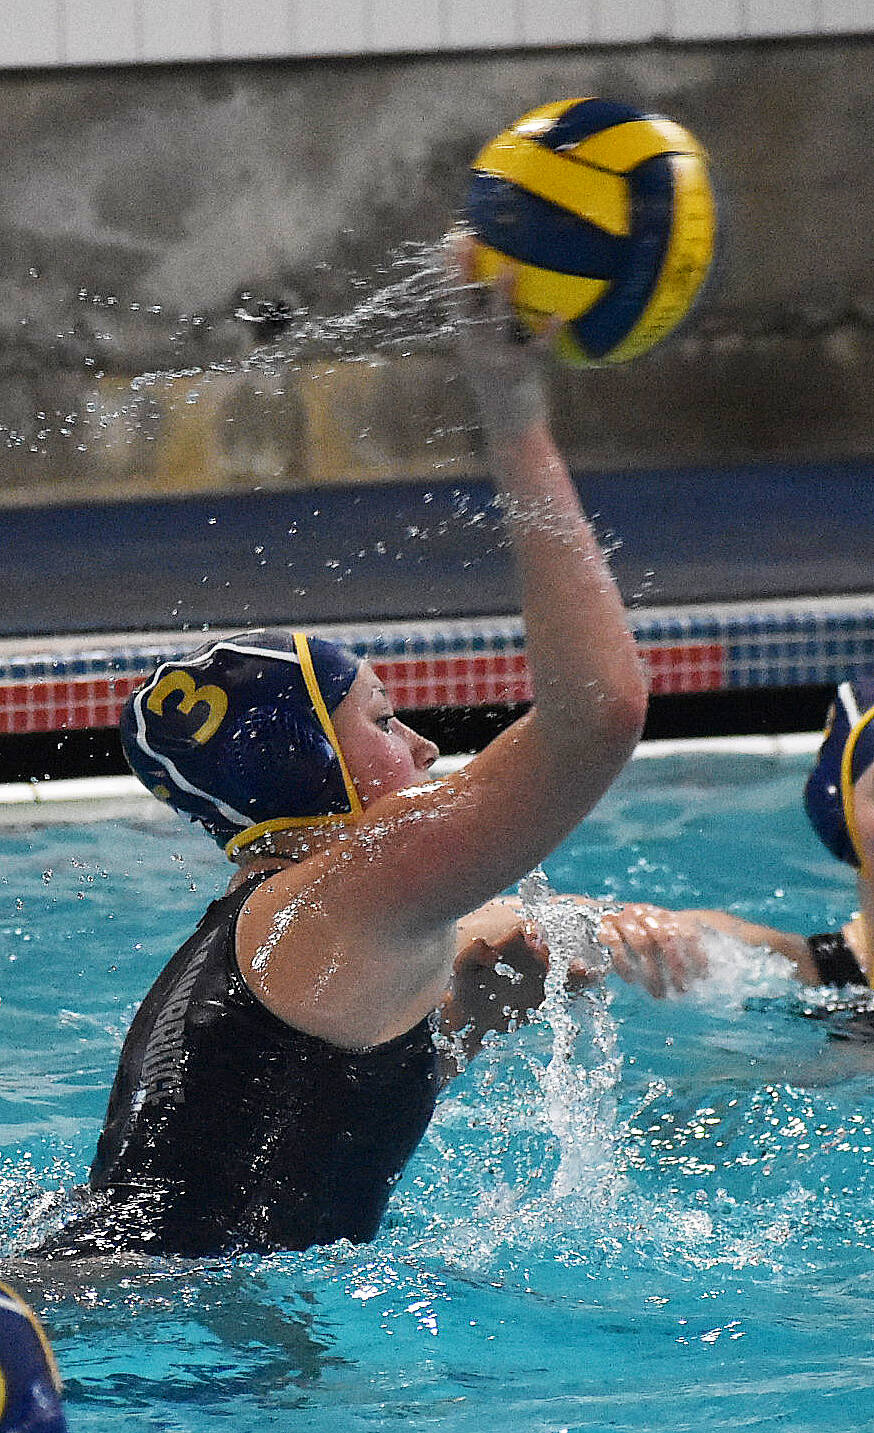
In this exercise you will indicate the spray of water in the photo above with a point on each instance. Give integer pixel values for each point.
(578, 1096)
(404, 315)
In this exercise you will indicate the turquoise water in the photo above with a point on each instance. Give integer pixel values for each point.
(672, 1228)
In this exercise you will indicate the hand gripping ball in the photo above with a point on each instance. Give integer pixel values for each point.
(606, 217)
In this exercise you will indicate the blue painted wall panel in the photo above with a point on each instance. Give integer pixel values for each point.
(421, 549)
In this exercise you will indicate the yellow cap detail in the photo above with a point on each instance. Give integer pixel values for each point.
(306, 665)
(214, 698)
(848, 793)
(251, 834)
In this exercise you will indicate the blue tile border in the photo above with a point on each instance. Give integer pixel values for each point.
(793, 643)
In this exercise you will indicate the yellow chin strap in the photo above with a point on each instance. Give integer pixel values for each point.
(848, 797)
(254, 833)
(251, 834)
(848, 791)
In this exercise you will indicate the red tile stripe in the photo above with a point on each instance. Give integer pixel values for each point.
(486, 679)
(690, 667)
(75, 704)
(415, 683)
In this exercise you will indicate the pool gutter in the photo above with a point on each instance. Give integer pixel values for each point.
(102, 798)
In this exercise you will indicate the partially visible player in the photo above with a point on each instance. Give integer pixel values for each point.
(30, 1386)
(650, 942)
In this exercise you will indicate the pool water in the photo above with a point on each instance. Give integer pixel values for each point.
(670, 1226)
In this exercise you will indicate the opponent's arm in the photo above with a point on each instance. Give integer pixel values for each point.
(500, 969)
(664, 948)
(497, 978)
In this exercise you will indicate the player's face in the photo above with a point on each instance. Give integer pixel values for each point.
(382, 753)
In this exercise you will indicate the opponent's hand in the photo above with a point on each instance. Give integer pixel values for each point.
(501, 361)
(659, 949)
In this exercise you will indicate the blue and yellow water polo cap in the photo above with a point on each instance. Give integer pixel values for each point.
(846, 752)
(239, 735)
(30, 1388)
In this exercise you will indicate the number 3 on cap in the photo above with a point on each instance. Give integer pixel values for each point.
(213, 697)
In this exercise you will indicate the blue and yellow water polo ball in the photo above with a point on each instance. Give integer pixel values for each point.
(607, 218)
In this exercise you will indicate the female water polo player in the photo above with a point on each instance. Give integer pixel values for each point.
(283, 1067)
(839, 800)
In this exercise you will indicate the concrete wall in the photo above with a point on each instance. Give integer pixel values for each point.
(137, 206)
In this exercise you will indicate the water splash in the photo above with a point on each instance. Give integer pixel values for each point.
(403, 315)
(579, 1099)
(737, 973)
(118, 386)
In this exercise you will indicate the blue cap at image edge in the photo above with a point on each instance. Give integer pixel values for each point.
(30, 1388)
(827, 798)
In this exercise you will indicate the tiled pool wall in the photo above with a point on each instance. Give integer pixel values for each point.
(78, 683)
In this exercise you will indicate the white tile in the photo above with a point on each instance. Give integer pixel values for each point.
(481, 24)
(782, 17)
(178, 29)
(706, 19)
(556, 22)
(101, 32)
(258, 27)
(30, 33)
(405, 25)
(331, 27)
(626, 21)
(841, 16)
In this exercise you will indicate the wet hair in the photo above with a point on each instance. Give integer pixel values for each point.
(846, 752)
(239, 737)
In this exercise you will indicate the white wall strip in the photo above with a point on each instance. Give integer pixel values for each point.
(105, 798)
(38, 33)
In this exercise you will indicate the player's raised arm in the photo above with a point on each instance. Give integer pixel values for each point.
(355, 943)
(462, 842)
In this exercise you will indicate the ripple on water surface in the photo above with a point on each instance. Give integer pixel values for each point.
(631, 1215)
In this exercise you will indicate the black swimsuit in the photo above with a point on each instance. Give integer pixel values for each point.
(229, 1129)
(849, 1017)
